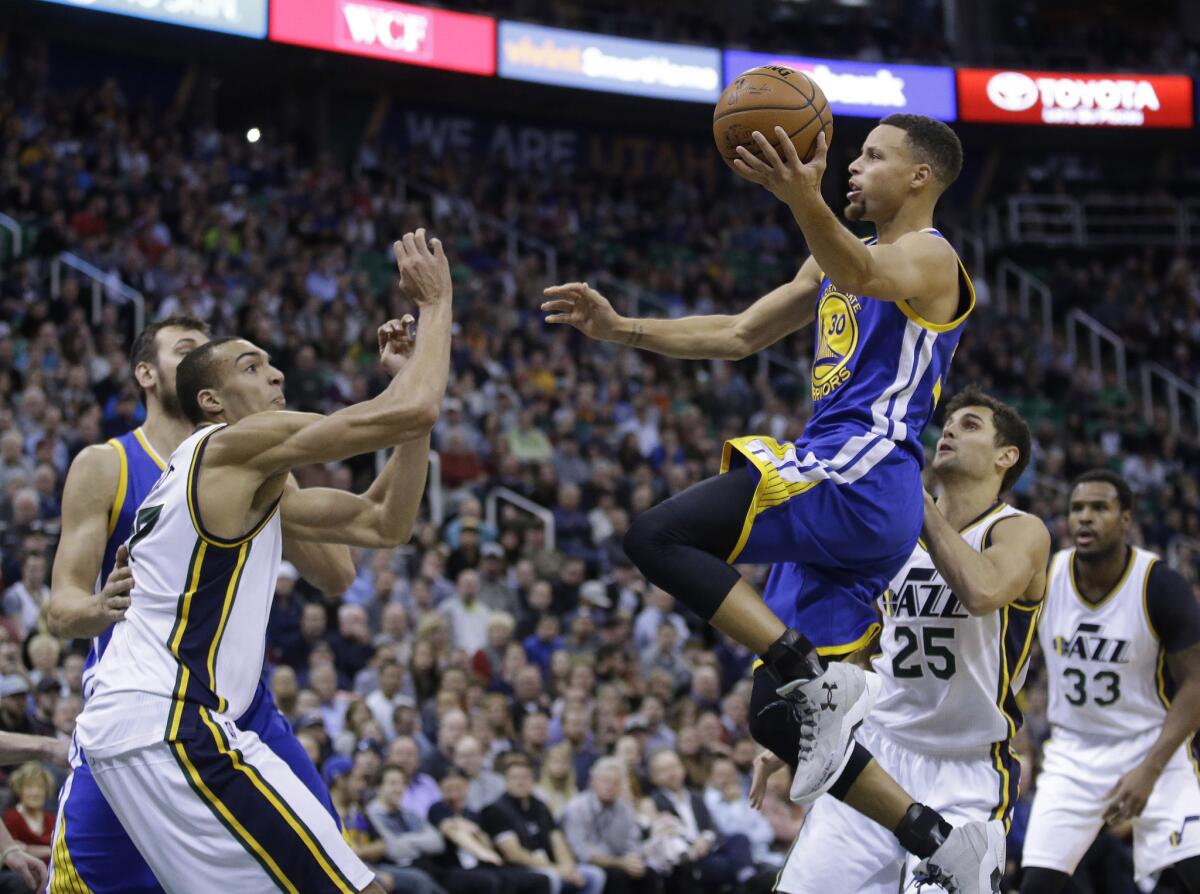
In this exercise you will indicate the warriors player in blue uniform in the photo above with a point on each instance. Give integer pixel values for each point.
(958, 624)
(837, 512)
(105, 486)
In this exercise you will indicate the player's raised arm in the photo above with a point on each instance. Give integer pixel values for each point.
(776, 314)
(1010, 568)
(385, 514)
(916, 267)
(272, 443)
(75, 609)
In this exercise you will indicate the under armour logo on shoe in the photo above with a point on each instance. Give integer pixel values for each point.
(829, 704)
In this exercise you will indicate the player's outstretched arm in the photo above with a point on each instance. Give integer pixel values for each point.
(327, 566)
(75, 610)
(916, 267)
(383, 516)
(775, 315)
(16, 748)
(269, 444)
(1011, 568)
(1174, 615)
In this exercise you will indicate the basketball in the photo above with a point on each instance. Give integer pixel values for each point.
(766, 97)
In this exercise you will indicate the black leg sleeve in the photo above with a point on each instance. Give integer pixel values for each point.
(682, 543)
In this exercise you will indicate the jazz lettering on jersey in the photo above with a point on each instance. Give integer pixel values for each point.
(1088, 643)
(923, 594)
(837, 339)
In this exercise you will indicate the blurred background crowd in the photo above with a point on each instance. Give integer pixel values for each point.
(511, 646)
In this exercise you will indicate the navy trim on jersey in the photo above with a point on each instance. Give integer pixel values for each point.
(253, 812)
(193, 501)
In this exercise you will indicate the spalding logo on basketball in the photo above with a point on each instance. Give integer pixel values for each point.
(762, 99)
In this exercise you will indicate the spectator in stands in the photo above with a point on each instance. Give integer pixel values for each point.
(421, 790)
(601, 826)
(388, 696)
(28, 820)
(732, 814)
(483, 785)
(467, 615)
(713, 859)
(408, 838)
(24, 600)
(468, 847)
(556, 784)
(346, 790)
(527, 835)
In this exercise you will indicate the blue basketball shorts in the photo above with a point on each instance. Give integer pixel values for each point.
(836, 525)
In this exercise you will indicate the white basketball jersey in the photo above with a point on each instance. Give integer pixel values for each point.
(196, 626)
(1104, 664)
(949, 679)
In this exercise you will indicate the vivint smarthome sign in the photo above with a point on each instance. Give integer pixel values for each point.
(1065, 98)
(613, 64)
(395, 31)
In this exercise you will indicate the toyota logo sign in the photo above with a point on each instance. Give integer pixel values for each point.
(1012, 91)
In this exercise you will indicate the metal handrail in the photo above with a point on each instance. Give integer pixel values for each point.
(1177, 390)
(104, 285)
(433, 484)
(1059, 220)
(14, 228)
(970, 247)
(1029, 287)
(1097, 333)
(524, 503)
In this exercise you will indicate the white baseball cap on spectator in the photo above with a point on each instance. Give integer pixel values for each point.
(288, 570)
(594, 593)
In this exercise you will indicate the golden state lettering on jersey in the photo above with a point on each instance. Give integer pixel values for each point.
(923, 594)
(1088, 643)
(837, 339)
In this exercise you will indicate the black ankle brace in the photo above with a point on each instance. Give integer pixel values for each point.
(793, 657)
(922, 831)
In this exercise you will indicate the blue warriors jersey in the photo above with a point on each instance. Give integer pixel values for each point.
(878, 370)
(141, 468)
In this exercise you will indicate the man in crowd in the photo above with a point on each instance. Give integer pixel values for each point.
(526, 834)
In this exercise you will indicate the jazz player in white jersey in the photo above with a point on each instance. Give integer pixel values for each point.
(1121, 637)
(208, 804)
(958, 625)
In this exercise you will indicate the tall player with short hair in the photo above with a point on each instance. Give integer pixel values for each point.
(105, 486)
(1121, 638)
(958, 625)
(205, 800)
(822, 510)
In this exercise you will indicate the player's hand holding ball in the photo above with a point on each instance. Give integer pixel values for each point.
(772, 125)
(424, 270)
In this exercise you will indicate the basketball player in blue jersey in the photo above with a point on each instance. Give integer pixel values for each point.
(104, 488)
(839, 511)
